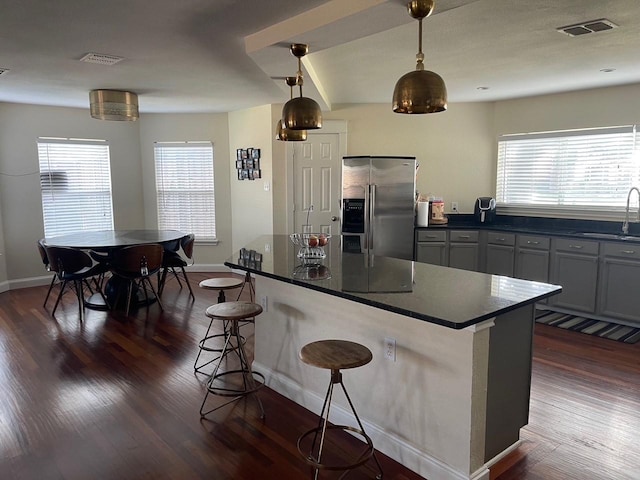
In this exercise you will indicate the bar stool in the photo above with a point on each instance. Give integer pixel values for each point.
(220, 383)
(335, 355)
(206, 344)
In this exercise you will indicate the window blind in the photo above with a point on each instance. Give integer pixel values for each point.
(185, 188)
(75, 180)
(571, 169)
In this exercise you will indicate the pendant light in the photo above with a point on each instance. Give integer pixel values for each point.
(113, 105)
(420, 91)
(301, 113)
(286, 134)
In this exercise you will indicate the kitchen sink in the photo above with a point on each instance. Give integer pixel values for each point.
(609, 236)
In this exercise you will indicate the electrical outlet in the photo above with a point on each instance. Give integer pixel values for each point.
(264, 303)
(390, 349)
(454, 207)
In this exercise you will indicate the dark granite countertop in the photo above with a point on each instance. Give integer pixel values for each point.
(441, 295)
(584, 229)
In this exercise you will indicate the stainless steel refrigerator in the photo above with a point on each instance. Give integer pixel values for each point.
(378, 205)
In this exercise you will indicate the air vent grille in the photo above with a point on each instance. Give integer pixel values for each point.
(3, 70)
(101, 58)
(584, 28)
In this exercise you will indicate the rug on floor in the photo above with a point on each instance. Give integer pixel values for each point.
(612, 331)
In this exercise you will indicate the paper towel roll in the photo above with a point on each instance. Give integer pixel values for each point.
(422, 219)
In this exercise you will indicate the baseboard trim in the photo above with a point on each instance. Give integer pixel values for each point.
(387, 443)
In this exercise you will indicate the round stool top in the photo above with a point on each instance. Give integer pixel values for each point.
(335, 354)
(233, 310)
(221, 283)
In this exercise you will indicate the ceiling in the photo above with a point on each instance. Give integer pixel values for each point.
(221, 55)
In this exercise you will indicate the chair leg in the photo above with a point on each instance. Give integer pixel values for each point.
(64, 285)
(129, 289)
(78, 286)
(53, 281)
(162, 278)
(154, 292)
(186, 279)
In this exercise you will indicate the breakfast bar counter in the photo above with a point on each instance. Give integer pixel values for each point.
(451, 395)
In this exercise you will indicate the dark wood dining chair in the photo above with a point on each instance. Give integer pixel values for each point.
(73, 268)
(45, 260)
(136, 265)
(173, 263)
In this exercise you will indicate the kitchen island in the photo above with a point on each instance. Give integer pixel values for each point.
(455, 393)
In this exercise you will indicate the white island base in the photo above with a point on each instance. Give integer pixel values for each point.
(451, 401)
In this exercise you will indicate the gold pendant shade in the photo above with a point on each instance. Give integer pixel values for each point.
(114, 105)
(287, 134)
(420, 91)
(301, 113)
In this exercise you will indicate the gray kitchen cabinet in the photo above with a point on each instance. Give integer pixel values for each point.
(619, 275)
(431, 247)
(532, 258)
(574, 266)
(499, 254)
(463, 249)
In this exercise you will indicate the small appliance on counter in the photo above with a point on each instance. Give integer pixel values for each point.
(485, 210)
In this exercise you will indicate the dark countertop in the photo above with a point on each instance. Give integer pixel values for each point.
(441, 295)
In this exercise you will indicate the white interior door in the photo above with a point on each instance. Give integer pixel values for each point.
(317, 184)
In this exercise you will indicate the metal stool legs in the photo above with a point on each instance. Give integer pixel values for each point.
(314, 457)
(215, 384)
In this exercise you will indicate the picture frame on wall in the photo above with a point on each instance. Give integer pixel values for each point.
(255, 153)
(239, 164)
(239, 154)
(256, 164)
(245, 174)
(245, 154)
(249, 164)
(240, 174)
(257, 173)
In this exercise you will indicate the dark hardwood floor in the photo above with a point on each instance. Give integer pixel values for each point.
(116, 398)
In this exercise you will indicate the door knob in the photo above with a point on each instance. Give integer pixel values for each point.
(334, 218)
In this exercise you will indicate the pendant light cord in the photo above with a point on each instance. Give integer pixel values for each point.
(420, 55)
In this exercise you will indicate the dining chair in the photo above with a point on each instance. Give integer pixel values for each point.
(173, 260)
(45, 260)
(74, 267)
(136, 265)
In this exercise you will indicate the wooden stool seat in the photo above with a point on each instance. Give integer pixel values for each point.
(221, 283)
(221, 382)
(335, 354)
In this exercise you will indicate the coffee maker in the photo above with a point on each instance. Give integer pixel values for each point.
(485, 210)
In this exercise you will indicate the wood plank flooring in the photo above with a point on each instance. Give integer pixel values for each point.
(116, 398)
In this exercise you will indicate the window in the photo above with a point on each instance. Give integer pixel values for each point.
(578, 170)
(184, 186)
(75, 179)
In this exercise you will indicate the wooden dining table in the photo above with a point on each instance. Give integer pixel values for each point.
(107, 241)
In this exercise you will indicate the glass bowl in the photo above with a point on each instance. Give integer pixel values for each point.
(311, 271)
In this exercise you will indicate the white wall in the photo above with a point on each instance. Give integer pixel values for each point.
(455, 148)
(20, 199)
(194, 127)
(251, 205)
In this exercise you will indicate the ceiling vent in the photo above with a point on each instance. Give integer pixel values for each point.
(101, 58)
(3, 70)
(587, 27)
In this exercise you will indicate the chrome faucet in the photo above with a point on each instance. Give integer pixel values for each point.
(625, 225)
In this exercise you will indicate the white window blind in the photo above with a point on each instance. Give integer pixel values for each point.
(573, 170)
(185, 188)
(75, 179)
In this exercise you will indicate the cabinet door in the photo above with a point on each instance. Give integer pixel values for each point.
(463, 256)
(532, 265)
(578, 276)
(500, 259)
(619, 289)
(432, 252)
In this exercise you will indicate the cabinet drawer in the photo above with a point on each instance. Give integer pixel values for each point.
(623, 250)
(533, 242)
(430, 236)
(499, 238)
(576, 246)
(463, 236)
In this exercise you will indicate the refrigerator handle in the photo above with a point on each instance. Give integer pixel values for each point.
(372, 215)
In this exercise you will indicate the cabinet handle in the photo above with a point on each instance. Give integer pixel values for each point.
(501, 239)
(431, 236)
(464, 236)
(579, 247)
(628, 252)
(529, 242)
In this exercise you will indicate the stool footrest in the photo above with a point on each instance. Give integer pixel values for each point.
(362, 459)
(246, 389)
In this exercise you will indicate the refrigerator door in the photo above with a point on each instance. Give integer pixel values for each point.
(355, 203)
(392, 207)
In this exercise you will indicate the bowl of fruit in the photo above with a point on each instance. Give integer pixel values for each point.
(311, 244)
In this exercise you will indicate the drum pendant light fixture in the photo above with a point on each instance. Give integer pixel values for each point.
(301, 113)
(286, 134)
(114, 105)
(420, 91)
